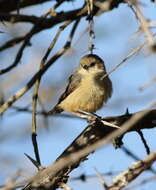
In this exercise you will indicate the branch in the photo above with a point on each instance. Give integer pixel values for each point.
(18, 4)
(46, 23)
(35, 29)
(18, 57)
(148, 122)
(37, 84)
(14, 18)
(123, 179)
(93, 137)
(90, 139)
(32, 81)
(42, 23)
(12, 5)
(12, 42)
(143, 22)
(143, 182)
(135, 157)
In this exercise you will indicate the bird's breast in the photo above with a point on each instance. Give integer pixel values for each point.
(89, 96)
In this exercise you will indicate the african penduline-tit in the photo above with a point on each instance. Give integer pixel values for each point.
(87, 89)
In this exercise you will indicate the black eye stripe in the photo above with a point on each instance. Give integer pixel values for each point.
(86, 67)
(92, 64)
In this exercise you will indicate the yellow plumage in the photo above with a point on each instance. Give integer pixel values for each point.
(88, 89)
(89, 96)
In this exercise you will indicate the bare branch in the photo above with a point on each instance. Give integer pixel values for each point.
(91, 138)
(77, 152)
(37, 84)
(143, 182)
(123, 179)
(143, 22)
(20, 51)
(148, 84)
(134, 156)
(13, 4)
(12, 42)
(46, 23)
(15, 18)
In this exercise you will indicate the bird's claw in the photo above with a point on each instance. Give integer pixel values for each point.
(93, 119)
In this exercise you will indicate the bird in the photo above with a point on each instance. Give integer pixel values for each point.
(89, 87)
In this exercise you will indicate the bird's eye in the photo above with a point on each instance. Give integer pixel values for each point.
(92, 64)
(85, 67)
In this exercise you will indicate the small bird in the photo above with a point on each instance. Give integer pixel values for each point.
(87, 89)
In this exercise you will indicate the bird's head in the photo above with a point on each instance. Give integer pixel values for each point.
(92, 63)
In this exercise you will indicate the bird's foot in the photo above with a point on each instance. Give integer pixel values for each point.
(91, 117)
(92, 120)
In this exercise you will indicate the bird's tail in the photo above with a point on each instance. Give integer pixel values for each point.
(55, 110)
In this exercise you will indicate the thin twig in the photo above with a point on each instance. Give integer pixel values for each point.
(16, 18)
(78, 156)
(143, 182)
(133, 52)
(51, 11)
(135, 157)
(28, 36)
(127, 176)
(75, 153)
(42, 113)
(36, 89)
(83, 177)
(12, 43)
(8, 6)
(20, 51)
(26, 42)
(46, 23)
(23, 90)
(143, 21)
(148, 122)
(101, 179)
(144, 141)
(31, 82)
(90, 6)
(148, 84)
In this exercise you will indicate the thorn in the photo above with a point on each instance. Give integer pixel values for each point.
(83, 177)
(101, 179)
(147, 148)
(127, 112)
(153, 47)
(35, 163)
(94, 117)
(117, 143)
(110, 124)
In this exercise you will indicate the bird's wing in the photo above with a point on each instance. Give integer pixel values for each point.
(74, 82)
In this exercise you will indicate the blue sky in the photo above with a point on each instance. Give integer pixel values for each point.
(114, 40)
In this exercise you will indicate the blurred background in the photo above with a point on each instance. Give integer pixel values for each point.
(116, 35)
